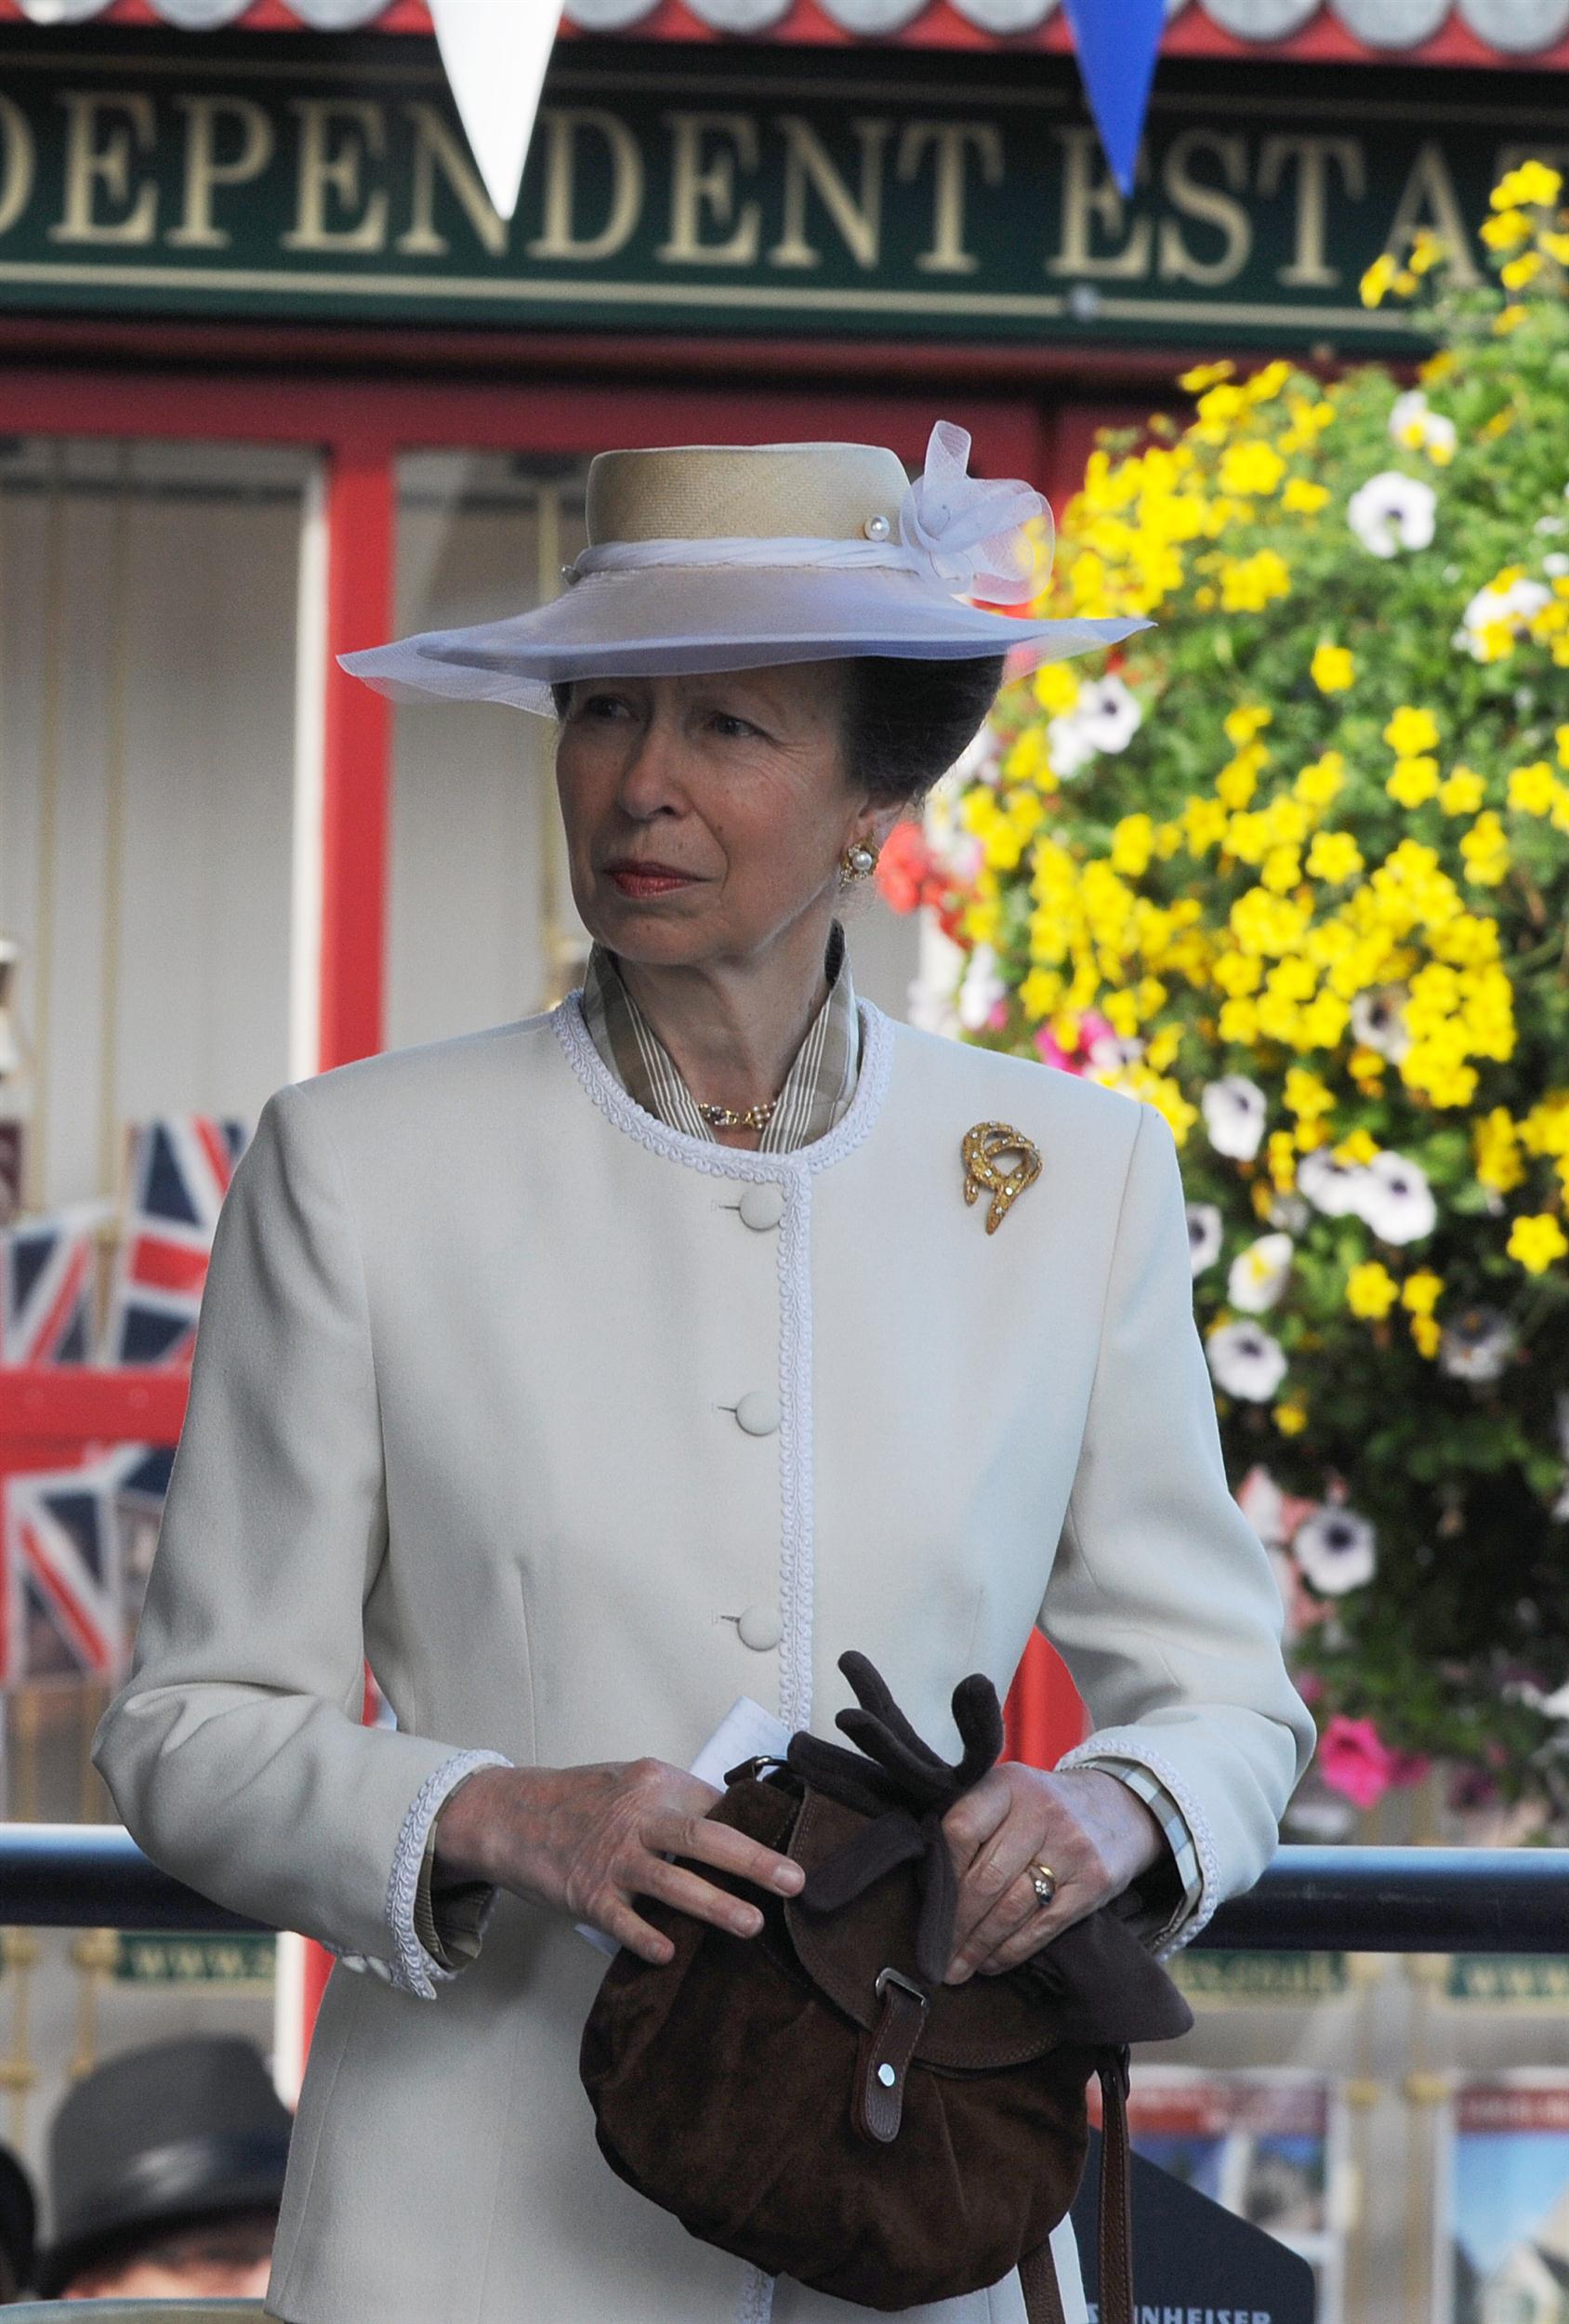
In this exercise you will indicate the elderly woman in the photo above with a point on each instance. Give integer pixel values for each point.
(590, 1371)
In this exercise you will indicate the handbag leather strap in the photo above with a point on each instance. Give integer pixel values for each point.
(1038, 2270)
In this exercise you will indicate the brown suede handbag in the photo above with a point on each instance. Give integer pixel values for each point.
(815, 2100)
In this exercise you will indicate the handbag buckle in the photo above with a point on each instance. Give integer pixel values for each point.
(895, 1977)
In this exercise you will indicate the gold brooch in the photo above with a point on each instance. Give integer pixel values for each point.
(981, 1146)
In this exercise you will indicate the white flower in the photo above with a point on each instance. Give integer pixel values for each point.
(1495, 617)
(1206, 1231)
(1258, 1274)
(1419, 429)
(1477, 1344)
(1108, 713)
(1245, 1362)
(1555, 563)
(1235, 1110)
(980, 761)
(1557, 1704)
(1335, 1549)
(1391, 512)
(980, 988)
(1378, 1020)
(1288, 1211)
(1068, 744)
(1396, 1199)
(1335, 1188)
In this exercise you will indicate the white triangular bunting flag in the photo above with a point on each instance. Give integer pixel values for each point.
(495, 53)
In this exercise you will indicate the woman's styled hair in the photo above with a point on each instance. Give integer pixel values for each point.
(905, 722)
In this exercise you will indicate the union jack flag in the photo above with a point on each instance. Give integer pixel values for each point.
(179, 1172)
(47, 1286)
(62, 1606)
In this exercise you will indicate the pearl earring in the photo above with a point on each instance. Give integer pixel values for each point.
(857, 861)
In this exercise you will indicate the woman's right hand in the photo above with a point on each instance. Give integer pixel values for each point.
(588, 1840)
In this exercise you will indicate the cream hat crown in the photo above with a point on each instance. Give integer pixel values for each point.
(710, 557)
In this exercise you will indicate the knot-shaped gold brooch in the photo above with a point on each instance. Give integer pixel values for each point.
(981, 1146)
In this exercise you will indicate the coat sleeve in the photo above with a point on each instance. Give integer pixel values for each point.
(1162, 1601)
(234, 1751)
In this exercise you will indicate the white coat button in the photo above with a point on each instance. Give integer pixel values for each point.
(764, 1204)
(758, 1412)
(761, 1627)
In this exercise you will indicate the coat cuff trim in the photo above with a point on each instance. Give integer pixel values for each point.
(1133, 1743)
(411, 1968)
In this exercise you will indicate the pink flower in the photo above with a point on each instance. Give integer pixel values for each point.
(1093, 1027)
(1354, 1759)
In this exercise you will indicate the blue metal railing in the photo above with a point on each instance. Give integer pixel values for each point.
(1365, 1900)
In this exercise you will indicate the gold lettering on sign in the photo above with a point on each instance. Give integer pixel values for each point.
(562, 124)
(329, 170)
(1430, 200)
(1193, 198)
(702, 186)
(1310, 160)
(809, 162)
(949, 141)
(196, 229)
(1091, 200)
(435, 148)
(19, 163)
(89, 165)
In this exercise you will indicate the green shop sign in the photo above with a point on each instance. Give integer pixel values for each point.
(734, 190)
(243, 1963)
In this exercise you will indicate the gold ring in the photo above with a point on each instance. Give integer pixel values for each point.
(1043, 1880)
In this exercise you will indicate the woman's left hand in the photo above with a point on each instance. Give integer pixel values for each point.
(1094, 1833)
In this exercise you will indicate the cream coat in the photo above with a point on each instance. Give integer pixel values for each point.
(465, 1399)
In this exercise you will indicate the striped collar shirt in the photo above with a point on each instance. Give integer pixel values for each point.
(818, 1087)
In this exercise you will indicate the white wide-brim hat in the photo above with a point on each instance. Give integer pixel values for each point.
(714, 556)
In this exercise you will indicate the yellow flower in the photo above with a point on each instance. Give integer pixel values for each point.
(1509, 319)
(1371, 1290)
(1303, 497)
(1533, 789)
(1376, 282)
(1250, 467)
(1291, 1419)
(1532, 184)
(1321, 780)
(1056, 688)
(1462, 793)
(1414, 781)
(1561, 736)
(1420, 1292)
(1485, 849)
(1267, 382)
(1438, 367)
(1536, 1242)
(1333, 668)
(1334, 856)
(1205, 376)
(1556, 245)
(1507, 232)
(1411, 730)
(1521, 270)
(1249, 584)
(1039, 993)
(1248, 719)
(1427, 251)
(1427, 1335)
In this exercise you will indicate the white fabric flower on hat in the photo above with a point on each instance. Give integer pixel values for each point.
(1258, 1274)
(968, 532)
(1245, 1361)
(1334, 1188)
(1391, 512)
(1206, 1232)
(1235, 1110)
(1396, 1199)
(1336, 1549)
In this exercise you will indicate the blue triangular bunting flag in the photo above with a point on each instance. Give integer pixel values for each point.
(1117, 42)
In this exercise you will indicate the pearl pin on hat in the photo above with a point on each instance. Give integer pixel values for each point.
(710, 557)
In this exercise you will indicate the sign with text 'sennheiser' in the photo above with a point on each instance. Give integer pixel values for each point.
(736, 190)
